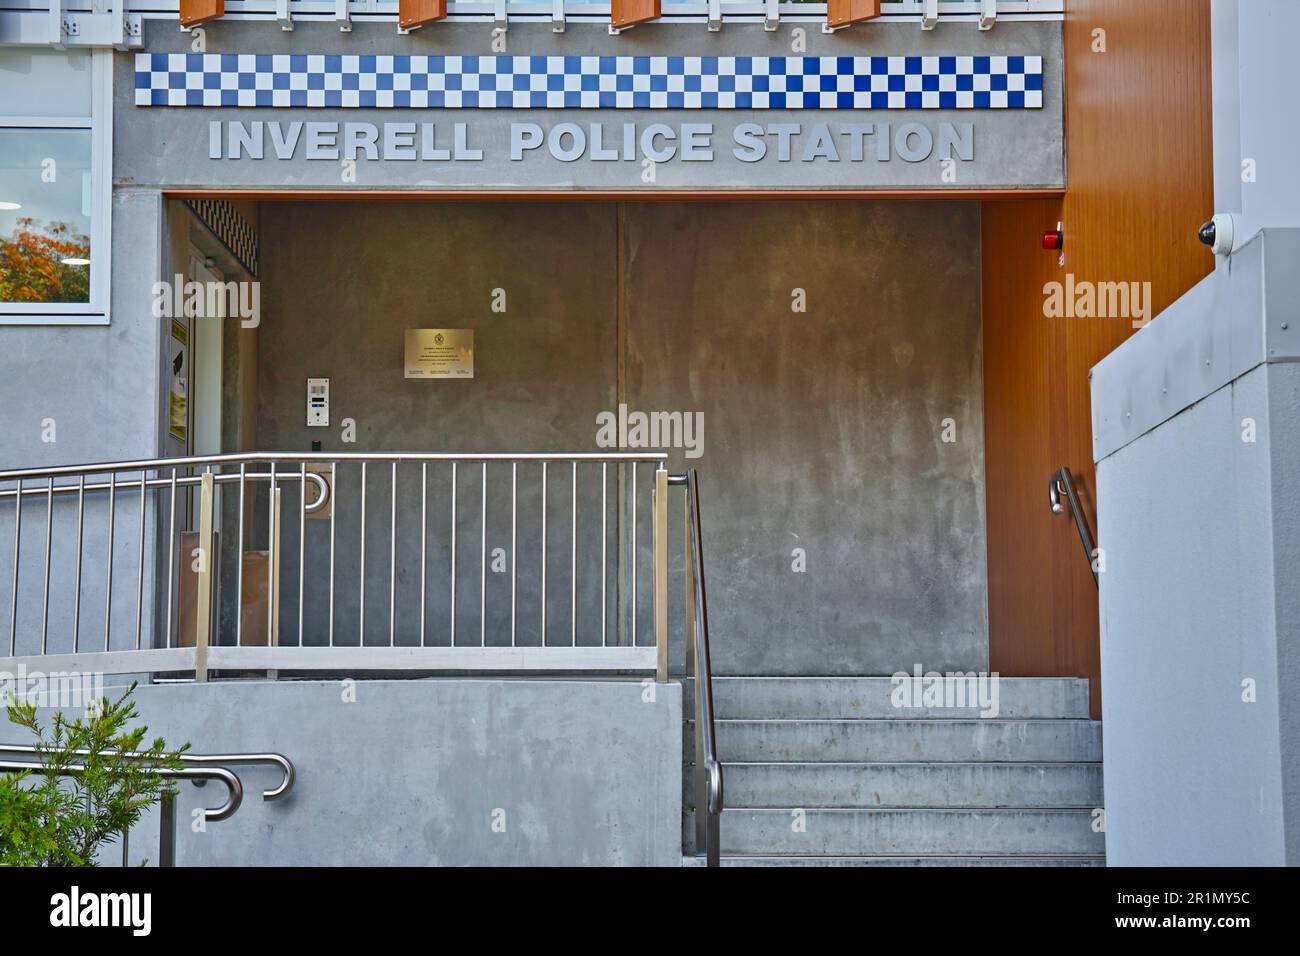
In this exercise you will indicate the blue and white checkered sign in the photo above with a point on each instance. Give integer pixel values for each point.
(590, 82)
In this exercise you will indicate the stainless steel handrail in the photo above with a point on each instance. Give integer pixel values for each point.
(237, 457)
(167, 806)
(316, 504)
(1062, 482)
(234, 788)
(210, 760)
(708, 769)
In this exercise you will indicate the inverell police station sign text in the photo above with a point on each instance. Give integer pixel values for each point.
(567, 142)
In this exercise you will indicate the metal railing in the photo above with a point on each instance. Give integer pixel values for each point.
(199, 769)
(347, 562)
(1062, 483)
(707, 773)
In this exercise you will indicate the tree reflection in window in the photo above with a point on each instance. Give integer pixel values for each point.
(44, 263)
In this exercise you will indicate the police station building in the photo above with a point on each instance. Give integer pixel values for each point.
(607, 432)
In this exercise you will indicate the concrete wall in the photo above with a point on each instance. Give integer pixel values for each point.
(1200, 605)
(822, 428)
(416, 773)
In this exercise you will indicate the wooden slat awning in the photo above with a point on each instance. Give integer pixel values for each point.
(416, 13)
(627, 13)
(194, 12)
(840, 13)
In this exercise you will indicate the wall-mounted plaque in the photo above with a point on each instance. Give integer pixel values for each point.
(439, 353)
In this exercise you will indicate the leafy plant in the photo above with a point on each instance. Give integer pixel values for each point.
(62, 817)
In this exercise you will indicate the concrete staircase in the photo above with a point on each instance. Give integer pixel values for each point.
(825, 771)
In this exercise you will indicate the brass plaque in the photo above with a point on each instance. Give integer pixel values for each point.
(439, 353)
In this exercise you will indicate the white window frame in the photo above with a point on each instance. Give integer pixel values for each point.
(100, 124)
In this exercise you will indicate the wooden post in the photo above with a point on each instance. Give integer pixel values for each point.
(203, 597)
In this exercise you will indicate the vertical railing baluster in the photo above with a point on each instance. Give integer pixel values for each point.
(634, 561)
(49, 539)
(392, 561)
(543, 554)
(171, 560)
(272, 560)
(453, 554)
(514, 564)
(239, 554)
(108, 589)
(659, 502)
(604, 570)
(302, 552)
(482, 574)
(277, 516)
(424, 535)
(573, 559)
(18, 536)
(334, 497)
(76, 594)
(361, 635)
(139, 584)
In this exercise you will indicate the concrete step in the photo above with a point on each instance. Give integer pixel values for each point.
(876, 741)
(771, 861)
(905, 833)
(849, 697)
(969, 785)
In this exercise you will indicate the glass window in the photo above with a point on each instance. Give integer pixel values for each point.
(46, 200)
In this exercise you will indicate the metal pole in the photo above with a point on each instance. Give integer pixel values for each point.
(392, 560)
(171, 557)
(660, 505)
(108, 587)
(18, 535)
(424, 537)
(482, 560)
(49, 537)
(543, 554)
(139, 586)
(76, 594)
(167, 830)
(573, 560)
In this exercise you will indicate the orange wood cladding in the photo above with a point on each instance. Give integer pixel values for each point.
(841, 13)
(416, 13)
(194, 12)
(626, 13)
(1138, 184)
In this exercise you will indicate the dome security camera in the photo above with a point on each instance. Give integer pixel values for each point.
(1218, 234)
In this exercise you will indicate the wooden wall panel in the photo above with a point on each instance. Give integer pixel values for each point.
(1138, 184)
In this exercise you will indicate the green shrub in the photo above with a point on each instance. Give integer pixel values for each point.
(62, 819)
